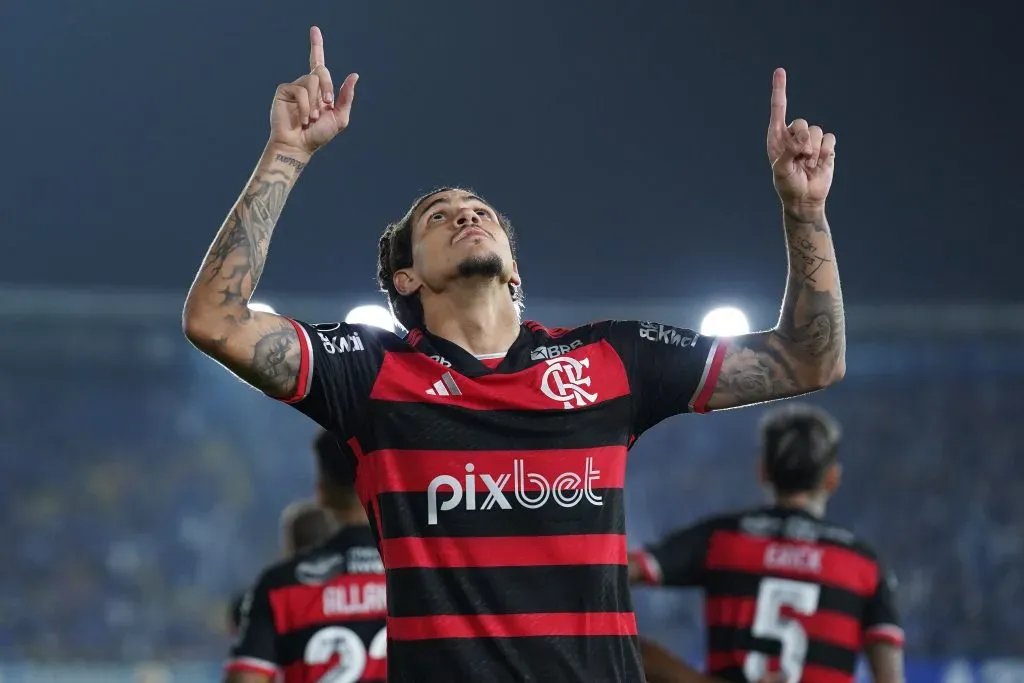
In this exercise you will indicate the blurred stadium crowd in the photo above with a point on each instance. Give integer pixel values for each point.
(141, 487)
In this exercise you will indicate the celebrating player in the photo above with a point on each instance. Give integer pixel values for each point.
(320, 614)
(784, 589)
(491, 452)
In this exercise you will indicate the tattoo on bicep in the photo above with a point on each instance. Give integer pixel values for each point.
(275, 362)
(753, 371)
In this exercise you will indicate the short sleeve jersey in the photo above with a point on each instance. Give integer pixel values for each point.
(783, 590)
(319, 616)
(496, 488)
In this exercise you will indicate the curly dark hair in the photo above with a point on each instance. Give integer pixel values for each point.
(396, 253)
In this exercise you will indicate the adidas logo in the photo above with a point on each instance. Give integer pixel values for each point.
(445, 386)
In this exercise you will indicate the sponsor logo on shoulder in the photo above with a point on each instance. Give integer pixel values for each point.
(364, 561)
(759, 525)
(341, 343)
(319, 570)
(666, 334)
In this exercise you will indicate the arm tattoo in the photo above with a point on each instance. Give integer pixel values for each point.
(229, 275)
(237, 257)
(812, 319)
(807, 349)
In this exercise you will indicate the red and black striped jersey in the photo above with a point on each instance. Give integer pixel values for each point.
(318, 616)
(784, 590)
(496, 489)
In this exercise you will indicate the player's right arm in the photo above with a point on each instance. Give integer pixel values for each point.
(676, 560)
(262, 348)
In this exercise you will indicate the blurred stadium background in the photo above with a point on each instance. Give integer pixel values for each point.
(129, 526)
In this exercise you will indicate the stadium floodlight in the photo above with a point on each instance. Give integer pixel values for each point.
(377, 316)
(261, 307)
(725, 321)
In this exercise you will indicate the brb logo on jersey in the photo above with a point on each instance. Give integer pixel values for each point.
(564, 381)
(529, 489)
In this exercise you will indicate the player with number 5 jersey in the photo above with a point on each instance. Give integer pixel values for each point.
(319, 615)
(785, 590)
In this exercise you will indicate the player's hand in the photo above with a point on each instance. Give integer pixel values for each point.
(306, 115)
(802, 158)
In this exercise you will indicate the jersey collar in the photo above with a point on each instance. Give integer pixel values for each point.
(516, 358)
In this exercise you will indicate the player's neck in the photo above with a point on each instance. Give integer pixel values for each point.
(481, 320)
(354, 516)
(808, 502)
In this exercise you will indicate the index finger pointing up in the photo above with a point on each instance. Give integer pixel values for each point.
(316, 48)
(778, 116)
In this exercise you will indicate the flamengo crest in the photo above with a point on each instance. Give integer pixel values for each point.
(564, 381)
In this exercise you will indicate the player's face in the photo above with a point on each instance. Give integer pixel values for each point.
(457, 235)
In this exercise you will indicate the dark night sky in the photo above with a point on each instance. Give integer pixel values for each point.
(625, 139)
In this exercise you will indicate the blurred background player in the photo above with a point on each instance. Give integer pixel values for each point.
(319, 615)
(784, 590)
(304, 525)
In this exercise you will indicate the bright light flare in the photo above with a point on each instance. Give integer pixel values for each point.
(377, 316)
(726, 321)
(261, 307)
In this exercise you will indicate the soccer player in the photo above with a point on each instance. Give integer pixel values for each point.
(319, 615)
(784, 589)
(490, 451)
(304, 525)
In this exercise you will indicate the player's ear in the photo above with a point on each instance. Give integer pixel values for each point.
(515, 279)
(406, 281)
(833, 477)
(321, 494)
(762, 473)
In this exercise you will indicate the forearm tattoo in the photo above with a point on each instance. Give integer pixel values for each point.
(231, 271)
(812, 317)
(808, 346)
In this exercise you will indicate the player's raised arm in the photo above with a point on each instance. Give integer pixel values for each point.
(262, 348)
(807, 349)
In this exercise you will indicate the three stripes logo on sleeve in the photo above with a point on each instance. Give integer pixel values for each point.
(445, 386)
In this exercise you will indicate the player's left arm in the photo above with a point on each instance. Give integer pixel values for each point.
(675, 370)
(883, 635)
(253, 656)
(806, 351)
